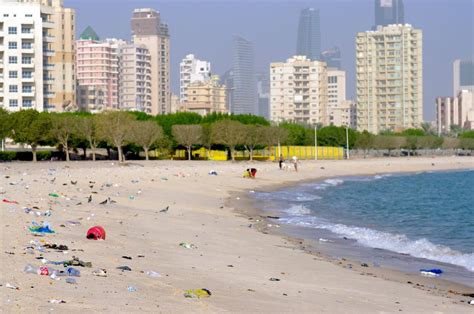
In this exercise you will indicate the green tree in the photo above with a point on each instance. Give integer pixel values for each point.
(145, 133)
(389, 142)
(335, 136)
(114, 127)
(207, 140)
(413, 132)
(365, 141)
(63, 126)
(274, 135)
(5, 126)
(254, 136)
(466, 143)
(428, 128)
(467, 134)
(228, 132)
(31, 128)
(87, 128)
(430, 142)
(455, 130)
(187, 135)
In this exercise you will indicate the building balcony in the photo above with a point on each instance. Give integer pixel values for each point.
(29, 35)
(30, 93)
(49, 79)
(48, 66)
(48, 24)
(1, 91)
(49, 53)
(49, 94)
(28, 65)
(28, 79)
(48, 38)
(28, 50)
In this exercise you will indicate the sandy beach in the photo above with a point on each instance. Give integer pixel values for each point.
(160, 204)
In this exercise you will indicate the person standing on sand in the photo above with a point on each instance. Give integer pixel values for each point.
(280, 162)
(295, 163)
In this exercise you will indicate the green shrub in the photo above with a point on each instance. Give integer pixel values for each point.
(7, 156)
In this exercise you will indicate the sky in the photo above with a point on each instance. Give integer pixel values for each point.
(205, 29)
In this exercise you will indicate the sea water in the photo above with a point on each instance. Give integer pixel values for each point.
(427, 215)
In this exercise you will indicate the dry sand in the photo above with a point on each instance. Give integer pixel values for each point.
(233, 261)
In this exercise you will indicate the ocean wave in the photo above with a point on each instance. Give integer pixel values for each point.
(292, 196)
(298, 210)
(421, 248)
(334, 182)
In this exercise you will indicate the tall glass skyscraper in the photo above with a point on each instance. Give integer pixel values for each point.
(244, 93)
(389, 12)
(309, 34)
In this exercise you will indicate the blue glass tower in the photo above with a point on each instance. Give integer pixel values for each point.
(309, 34)
(244, 91)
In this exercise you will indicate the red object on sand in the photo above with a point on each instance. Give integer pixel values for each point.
(96, 233)
(10, 202)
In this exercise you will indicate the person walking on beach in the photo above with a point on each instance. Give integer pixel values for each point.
(280, 162)
(295, 163)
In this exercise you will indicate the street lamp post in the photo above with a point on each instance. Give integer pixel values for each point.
(316, 142)
(347, 141)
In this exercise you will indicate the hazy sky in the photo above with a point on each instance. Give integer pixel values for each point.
(205, 28)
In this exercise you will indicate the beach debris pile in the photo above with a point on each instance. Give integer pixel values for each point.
(197, 293)
(434, 272)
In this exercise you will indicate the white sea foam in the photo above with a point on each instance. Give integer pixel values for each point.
(421, 248)
(334, 182)
(298, 210)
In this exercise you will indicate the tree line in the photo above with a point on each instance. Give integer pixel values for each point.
(137, 131)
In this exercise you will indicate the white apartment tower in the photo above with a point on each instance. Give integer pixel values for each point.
(135, 78)
(299, 91)
(36, 61)
(389, 71)
(192, 70)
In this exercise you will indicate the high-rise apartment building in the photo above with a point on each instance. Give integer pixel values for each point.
(97, 69)
(336, 95)
(205, 97)
(344, 115)
(389, 12)
(263, 95)
(299, 91)
(244, 91)
(455, 111)
(309, 34)
(192, 70)
(332, 57)
(135, 78)
(36, 62)
(463, 75)
(389, 72)
(148, 30)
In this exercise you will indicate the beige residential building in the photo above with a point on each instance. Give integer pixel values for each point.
(344, 115)
(148, 30)
(299, 91)
(175, 104)
(455, 111)
(135, 78)
(36, 63)
(205, 97)
(389, 72)
(338, 108)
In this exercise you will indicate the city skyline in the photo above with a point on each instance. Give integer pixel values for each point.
(275, 41)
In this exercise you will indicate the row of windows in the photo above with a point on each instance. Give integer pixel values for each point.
(13, 30)
(26, 103)
(24, 74)
(24, 45)
(14, 60)
(25, 89)
(14, 15)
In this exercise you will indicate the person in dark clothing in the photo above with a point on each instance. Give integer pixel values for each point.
(281, 161)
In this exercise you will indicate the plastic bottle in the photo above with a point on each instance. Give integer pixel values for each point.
(71, 280)
(73, 272)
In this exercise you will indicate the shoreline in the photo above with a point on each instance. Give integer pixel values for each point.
(294, 234)
(233, 261)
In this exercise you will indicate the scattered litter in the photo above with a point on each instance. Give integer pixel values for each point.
(73, 222)
(96, 233)
(434, 272)
(73, 272)
(197, 293)
(153, 274)
(131, 197)
(72, 281)
(274, 279)
(364, 265)
(124, 268)
(30, 269)
(43, 228)
(165, 210)
(213, 173)
(59, 247)
(103, 202)
(77, 262)
(325, 240)
(56, 301)
(53, 194)
(187, 245)
(10, 201)
(471, 302)
(100, 273)
(273, 217)
(164, 179)
(132, 289)
(126, 257)
(9, 286)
